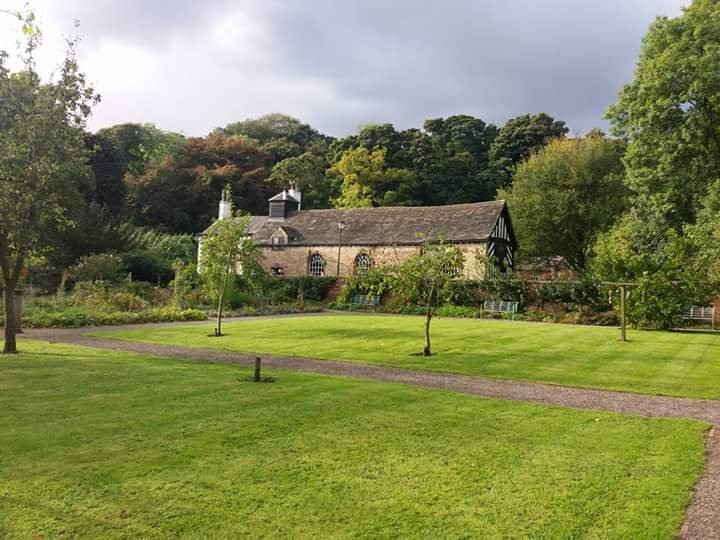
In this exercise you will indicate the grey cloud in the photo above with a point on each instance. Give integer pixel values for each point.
(399, 61)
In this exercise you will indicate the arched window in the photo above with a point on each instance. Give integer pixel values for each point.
(316, 265)
(362, 264)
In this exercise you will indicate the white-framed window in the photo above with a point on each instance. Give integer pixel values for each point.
(316, 265)
(363, 263)
(452, 271)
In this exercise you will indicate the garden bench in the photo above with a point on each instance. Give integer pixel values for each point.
(365, 300)
(500, 306)
(698, 313)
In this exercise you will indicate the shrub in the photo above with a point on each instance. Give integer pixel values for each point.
(657, 302)
(503, 288)
(469, 293)
(92, 294)
(459, 311)
(189, 287)
(152, 294)
(77, 317)
(474, 293)
(43, 280)
(169, 247)
(103, 267)
(584, 292)
(314, 288)
(146, 266)
(280, 290)
(125, 301)
(237, 299)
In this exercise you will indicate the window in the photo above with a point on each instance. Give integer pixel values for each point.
(363, 263)
(277, 271)
(278, 242)
(316, 265)
(452, 271)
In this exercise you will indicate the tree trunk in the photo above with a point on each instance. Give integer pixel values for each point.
(427, 351)
(66, 273)
(218, 327)
(428, 318)
(10, 346)
(221, 300)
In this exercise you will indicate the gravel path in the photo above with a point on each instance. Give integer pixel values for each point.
(703, 515)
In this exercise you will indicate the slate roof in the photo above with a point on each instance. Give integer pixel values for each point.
(283, 196)
(398, 225)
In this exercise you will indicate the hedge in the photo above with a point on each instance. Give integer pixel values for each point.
(75, 318)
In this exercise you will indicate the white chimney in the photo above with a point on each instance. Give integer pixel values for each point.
(295, 194)
(225, 205)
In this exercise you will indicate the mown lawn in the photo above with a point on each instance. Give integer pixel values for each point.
(674, 364)
(107, 444)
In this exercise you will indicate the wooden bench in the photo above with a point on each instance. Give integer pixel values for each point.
(365, 300)
(500, 306)
(698, 313)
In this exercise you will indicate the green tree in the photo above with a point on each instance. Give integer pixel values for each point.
(565, 195)
(519, 138)
(180, 193)
(42, 156)
(307, 172)
(449, 158)
(367, 181)
(371, 137)
(673, 270)
(427, 278)
(454, 167)
(226, 248)
(279, 135)
(142, 144)
(670, 115)
(109, 165)
(97, 225)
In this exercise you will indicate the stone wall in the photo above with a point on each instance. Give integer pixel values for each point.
(294, 259)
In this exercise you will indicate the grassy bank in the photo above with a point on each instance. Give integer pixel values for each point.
(108, 444)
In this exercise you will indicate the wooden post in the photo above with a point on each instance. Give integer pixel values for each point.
(623, 332)
(257, 369)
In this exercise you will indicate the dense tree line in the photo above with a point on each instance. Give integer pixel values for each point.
(137, 178)
(643, 207)
(147, 177)
(640, 205)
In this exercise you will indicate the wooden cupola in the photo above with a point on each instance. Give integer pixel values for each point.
(282, 204)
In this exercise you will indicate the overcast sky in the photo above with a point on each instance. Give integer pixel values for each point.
(191, 65)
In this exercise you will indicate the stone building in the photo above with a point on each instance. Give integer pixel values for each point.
(342, 242)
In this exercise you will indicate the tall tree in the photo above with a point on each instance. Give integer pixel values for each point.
(109, 165)
(42, 154)
(180, 193)
(307, 172)
(367, 181)
(371, 137)
(456, 168)
(670, 115)
(141, 144)
(565, 195)
(279, 135)
(519, 138)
